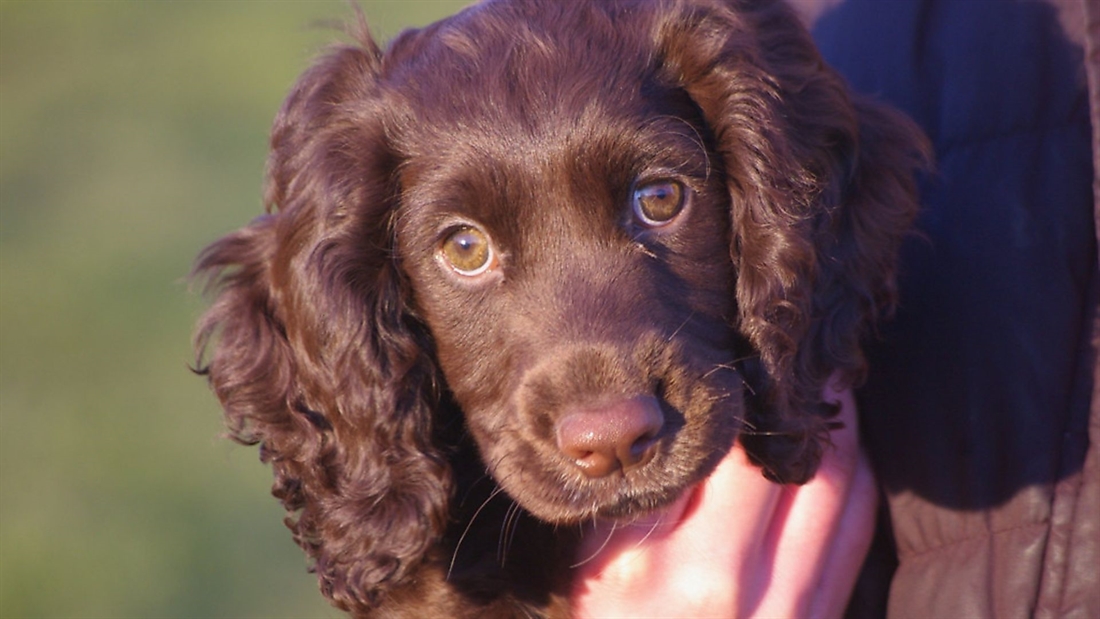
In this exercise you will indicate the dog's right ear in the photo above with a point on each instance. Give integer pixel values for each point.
(310, 346)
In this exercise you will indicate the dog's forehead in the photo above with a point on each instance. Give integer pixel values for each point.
(574, 175)
(524, 118)
(545, 69)
(556, 108)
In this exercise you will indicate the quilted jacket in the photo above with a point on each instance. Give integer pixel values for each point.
(982, 414)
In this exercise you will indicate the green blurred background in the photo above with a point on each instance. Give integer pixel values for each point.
(132, 134)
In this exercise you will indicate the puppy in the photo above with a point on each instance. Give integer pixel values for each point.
(541, 263)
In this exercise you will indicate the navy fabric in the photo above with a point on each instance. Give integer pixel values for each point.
(972, 391)
(978, 398)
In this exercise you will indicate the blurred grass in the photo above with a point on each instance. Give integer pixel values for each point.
(132, 134)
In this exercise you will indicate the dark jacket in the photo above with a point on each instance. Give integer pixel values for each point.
(982, 395)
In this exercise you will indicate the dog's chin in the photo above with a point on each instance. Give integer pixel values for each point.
(668, 507)
(664, 510)
(623, 503)
(665, 517)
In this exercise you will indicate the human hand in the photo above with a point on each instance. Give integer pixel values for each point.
(740, 546)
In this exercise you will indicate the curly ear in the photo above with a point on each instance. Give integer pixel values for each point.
(312, 351)
(822, 193)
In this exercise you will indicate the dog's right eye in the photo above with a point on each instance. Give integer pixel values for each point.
(467, 250)
(656, 204)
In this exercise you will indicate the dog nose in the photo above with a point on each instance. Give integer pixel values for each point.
(619, 436)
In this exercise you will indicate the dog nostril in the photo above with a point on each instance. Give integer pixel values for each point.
(595, 463)
(640, 450)
(618, 436)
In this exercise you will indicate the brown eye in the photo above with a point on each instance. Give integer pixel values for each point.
(467, 251)
(658, 203)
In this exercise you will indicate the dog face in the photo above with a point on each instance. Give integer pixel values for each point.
(575, 230)
(573, 268)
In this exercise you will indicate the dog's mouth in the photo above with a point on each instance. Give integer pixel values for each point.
(656, 473)
(649, 475)
(661, 490)
(667, 517)
(624, 440)
(665, 504)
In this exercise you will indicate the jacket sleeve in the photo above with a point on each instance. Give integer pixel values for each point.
(981, 394)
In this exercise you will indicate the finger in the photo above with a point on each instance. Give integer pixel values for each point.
(850, 545)
(713, 555)
(805, 531)
(735, 493)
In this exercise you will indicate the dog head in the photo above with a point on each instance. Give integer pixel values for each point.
(576, 229)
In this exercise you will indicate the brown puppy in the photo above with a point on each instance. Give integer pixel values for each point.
(542, 247)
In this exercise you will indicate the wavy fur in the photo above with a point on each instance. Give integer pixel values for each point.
(334, 345)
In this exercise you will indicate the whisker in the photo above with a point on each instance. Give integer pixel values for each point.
(517, 513)
(732, 365)
(466, 531)
(747, 386)
(473, 486)
(746, 358)
(681, 327)
(649, 253)
(656, 523)
(722, 366)
(610, 534)
(508, 532)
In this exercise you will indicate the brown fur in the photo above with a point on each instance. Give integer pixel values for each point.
(382, 388)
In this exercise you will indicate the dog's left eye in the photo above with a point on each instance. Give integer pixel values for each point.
(656, 204)
(468, 251)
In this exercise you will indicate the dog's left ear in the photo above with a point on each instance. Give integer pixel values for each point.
(822, 193)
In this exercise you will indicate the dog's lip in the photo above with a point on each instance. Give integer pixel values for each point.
(662, 520)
